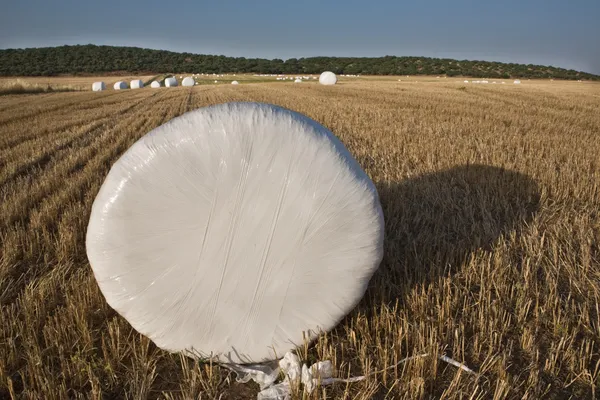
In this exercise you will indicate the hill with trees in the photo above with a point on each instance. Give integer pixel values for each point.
(91, 59)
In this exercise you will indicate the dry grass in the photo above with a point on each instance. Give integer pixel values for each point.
(491, 196)
(42, 84)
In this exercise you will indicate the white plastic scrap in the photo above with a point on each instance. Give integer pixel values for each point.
(320, 372)
(295, 374)
(263, 374)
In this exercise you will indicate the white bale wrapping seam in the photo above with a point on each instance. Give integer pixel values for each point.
(188, 81)
(327, 78)
(233, 229)
(136, 84)
(120, 85)
(170, 82)
(98, 86)
(155, 84)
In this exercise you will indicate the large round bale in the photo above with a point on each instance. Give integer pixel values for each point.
(298, 80)
(155, 84)
(98, 86)
(235, 83)
(171, 82)
(232, 230)
(188, 81)
(120, 85)
(136, 84)
(327, 78)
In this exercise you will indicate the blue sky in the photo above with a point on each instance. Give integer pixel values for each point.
(550, 32)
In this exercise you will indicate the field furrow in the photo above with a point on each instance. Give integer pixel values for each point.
(38, 130)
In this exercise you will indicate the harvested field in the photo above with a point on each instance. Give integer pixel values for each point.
(44, 84)
(491, 196)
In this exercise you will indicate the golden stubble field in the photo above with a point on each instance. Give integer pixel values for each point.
(491, 197)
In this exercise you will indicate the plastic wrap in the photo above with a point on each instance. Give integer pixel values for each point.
(136, 84)
(327, 78)
(232, 229)
(98, 86)
(120, 85)
(170, 82)
(155, 84)
(188, 81)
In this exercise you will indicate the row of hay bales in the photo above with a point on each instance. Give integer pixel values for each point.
(120, 85)
(138, 84)
(326, 78)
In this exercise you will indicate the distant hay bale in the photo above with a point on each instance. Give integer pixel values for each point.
(188, 81)
(466, 81)
(517, 82)
(98, 86)
(155, 84)
(216, 81)
(171, 82)
(298, 81)
(136, 84)
(327, 78)
(235, 83)
(120, 85)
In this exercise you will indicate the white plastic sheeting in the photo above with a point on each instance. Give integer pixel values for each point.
(301, 376)
(232, 229)
(155, 84)
(120, 85)
(98, 86)
(327, 78)
(136, 84)
(170, 82)
(188, 81)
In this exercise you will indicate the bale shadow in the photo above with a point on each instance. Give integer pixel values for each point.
(433, 223)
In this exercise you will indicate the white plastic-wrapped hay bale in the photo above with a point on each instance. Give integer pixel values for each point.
(246, 225)
(298, 80)
(216, 81)
(327, 78)
(120, 85)
(187, 81)
(136, 84)
(235, 83)
(155, 84)
(517, 82)
(98, 86)
(171, 82)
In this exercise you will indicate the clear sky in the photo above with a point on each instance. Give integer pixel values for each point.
(563, 33)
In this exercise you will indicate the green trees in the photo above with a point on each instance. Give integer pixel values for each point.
(91, 59)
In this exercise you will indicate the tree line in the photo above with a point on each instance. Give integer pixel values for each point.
(92, 59)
